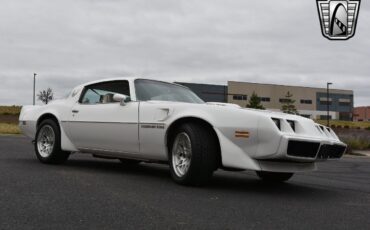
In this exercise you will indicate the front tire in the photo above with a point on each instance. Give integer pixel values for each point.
(274, 177)
(193, 154)
(48, 143)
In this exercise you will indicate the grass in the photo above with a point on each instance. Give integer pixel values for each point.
(357, 144)
(347, 124)
(10, 110)
(6, 128)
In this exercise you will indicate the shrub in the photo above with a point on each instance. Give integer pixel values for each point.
(10, 110)
(346, 127)
(357, 144)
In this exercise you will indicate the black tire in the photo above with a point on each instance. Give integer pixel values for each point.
(57, 155)
(129, 162)
(274, 177)
(204, 154)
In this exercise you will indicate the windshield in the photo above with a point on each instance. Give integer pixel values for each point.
(154, 90)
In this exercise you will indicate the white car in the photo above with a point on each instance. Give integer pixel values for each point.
(139, 120)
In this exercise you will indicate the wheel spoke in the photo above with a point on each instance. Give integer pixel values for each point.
(181, 154)
(46, 141)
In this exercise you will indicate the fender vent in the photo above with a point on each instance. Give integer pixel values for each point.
(303, 149)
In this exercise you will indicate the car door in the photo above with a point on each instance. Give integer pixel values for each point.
(98, 123)
(152, 129)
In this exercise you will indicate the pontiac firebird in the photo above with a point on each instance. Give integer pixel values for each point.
(140, 120)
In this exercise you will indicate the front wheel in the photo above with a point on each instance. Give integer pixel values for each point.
(193, 154)
(48, 143)
(274, 177)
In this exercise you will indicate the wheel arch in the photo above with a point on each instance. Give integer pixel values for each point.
(191, 119)
(47, 116)
(66, 143)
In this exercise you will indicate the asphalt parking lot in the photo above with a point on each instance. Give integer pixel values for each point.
(90, 193)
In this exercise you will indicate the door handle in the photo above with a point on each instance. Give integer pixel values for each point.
(74, 111)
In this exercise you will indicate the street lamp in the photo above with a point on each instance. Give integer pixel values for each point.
(327, 102)
(34, 88)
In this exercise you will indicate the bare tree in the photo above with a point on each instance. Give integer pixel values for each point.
(46, 95)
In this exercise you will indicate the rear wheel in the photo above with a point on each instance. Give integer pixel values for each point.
(193, 154)
(274, 177)
(48, 143)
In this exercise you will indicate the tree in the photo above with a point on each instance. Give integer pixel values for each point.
(288, 104)
(46, 95)
(255, 102)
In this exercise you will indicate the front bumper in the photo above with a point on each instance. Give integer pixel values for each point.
(304, 149)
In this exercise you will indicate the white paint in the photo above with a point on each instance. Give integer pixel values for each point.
(139, 129)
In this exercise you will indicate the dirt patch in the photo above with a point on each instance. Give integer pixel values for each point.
(13, 119)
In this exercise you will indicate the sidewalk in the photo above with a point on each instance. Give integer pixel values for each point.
(363, 152)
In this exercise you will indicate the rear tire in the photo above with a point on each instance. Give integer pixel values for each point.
(48, 143)
(193, 153)
(274, 177)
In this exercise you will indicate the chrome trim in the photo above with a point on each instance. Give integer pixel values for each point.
(111, 122)
(115, 122)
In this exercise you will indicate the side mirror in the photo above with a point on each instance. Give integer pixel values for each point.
(117, 97)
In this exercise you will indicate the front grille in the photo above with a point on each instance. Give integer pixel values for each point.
(303, 149)
(331, 151)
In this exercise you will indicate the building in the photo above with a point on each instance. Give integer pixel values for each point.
(310, 102)
(207, 92)
(361, 113)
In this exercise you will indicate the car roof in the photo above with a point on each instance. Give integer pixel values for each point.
(130, 79)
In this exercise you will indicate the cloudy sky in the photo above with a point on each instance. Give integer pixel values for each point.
(68, 42)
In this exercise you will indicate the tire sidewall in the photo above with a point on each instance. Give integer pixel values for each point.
(56, 147)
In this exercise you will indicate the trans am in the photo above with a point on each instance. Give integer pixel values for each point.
(140, 120)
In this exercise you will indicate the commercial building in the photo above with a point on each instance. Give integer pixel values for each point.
(310, 102)
(207, 92)
(361, 113)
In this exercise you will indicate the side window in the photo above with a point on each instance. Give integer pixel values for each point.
(102, 93)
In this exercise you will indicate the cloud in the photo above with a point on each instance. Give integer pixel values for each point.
(211, 41)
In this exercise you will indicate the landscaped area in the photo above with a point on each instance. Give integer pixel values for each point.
(9, 119)
(346, 124)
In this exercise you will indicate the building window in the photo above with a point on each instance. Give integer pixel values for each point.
(239, 97)
(284, 100)
(265, 99)
(305, 101)
(325, 102)
(324, 117)
(344, 103)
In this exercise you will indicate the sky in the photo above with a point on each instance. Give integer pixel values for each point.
(69, 42)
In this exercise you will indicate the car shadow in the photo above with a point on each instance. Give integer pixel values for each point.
(222, 181)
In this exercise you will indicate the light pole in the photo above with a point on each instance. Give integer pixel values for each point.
(34, 88)
(327, 102)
